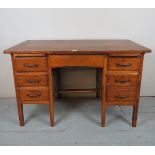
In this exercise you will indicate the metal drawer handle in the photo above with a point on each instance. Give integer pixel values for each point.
(35, 95)
(125, 96)
(33, 81)
(31, 65)
(124, 65)
(122, 81)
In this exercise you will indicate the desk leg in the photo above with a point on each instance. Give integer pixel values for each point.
(134, 116)
(51, 101)
(59, 84)
(135, 107)
(19, 104)
(97, 88)
(20, 113)
(103, 95)
(103, 106)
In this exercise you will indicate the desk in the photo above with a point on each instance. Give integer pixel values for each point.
(37, 62)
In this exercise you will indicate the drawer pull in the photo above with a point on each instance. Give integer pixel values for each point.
(124, 65)
(125, 96)
(35, 95)
(122, 81)
(33, 81)
(31, 65)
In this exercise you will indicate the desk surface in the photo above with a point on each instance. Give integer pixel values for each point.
(77, 47)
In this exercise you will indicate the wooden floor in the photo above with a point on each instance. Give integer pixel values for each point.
(77, 123)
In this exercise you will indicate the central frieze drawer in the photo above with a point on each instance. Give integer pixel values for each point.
(76, 60)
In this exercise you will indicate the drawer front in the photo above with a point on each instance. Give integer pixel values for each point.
(120, 64)
(34, 95)
(31, 64)
(32, 79)
(76, 60)
(124, 95)
(122, 81)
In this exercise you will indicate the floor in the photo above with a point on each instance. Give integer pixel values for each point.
(77, 122)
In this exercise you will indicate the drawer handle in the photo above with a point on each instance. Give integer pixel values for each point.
(35, 95)
(122, 81)
(33, 81)
(125, 96)
(124, 65)
(30, 65)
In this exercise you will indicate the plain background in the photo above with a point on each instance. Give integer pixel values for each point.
(18, 25)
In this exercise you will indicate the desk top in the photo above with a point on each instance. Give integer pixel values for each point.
(77, 47)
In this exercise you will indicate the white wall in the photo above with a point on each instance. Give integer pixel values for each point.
(17, 25)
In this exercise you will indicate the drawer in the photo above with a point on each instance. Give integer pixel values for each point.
(120, 64)
(36, 94)
(122, 81)
(123, 95)
(32, 79)
(31, 64)
(76, 60)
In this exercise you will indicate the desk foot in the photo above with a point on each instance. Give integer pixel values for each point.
(21, 123)
(102, 124)
(20, 113)
(134, 116)
(134, 125)
(52, 124)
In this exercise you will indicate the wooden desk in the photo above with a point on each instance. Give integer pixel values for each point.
(119, 62)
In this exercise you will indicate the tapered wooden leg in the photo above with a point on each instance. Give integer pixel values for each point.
(51, 101)
(134, 115)
(20, 113)
(59, 84)
(19, 104)
(135, 107)
(103, 93)
(97, 88)
(103, 107)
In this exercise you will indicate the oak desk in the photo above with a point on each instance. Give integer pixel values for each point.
(118, 61)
